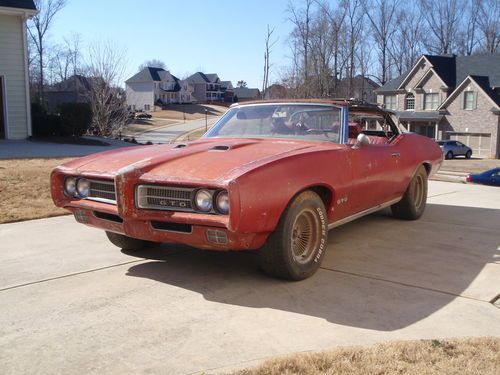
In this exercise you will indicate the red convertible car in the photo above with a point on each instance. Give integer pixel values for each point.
(273, 176)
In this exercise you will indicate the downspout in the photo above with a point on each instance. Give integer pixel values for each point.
(26, 74)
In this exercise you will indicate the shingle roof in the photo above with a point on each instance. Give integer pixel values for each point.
(246, 93)
(152, 74)
(454, 69)
(200, 77)
(21, 4)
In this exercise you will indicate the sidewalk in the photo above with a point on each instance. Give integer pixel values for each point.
(24, 149)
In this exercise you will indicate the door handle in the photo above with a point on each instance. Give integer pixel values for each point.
(395, 154)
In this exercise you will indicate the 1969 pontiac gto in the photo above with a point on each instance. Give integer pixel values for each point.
(272, 176)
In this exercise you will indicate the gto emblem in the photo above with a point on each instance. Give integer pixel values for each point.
(342, 200)
(165, 202)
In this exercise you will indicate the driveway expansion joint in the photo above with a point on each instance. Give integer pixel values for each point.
(405, 284)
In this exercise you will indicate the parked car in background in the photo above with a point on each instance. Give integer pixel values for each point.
(273, 176)
(490, 177)
(142, 115)
(454, 148)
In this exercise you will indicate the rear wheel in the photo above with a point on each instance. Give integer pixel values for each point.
(295, 250)
(449, 155)
(128, 243)
(468, 154)
(412, 205)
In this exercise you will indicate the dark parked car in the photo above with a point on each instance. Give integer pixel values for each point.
(142, 115)
(491, 177)
(454, 148)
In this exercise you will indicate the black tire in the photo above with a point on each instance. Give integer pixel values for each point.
(128, 243)
(295, 250)
(449, 155)
(468, 154)
(414, 200)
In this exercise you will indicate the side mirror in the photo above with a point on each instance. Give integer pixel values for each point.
(362, 140)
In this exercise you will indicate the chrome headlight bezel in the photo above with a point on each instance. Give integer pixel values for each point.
(222, 202)
(203, 200)
(83, 187)
(70, 186)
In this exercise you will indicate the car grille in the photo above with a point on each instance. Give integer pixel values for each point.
(165, 198)
(102, 191)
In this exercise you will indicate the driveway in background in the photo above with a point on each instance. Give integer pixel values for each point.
(73, 303)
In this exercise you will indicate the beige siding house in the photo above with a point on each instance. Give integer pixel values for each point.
(15, 117)
(450, 97)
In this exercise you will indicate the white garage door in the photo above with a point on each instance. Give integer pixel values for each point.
(480, 143)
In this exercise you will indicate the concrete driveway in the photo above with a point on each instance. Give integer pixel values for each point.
(70, 302)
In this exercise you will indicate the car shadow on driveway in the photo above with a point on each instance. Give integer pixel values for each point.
(379, 273)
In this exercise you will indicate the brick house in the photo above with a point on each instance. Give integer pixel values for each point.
(450, 97)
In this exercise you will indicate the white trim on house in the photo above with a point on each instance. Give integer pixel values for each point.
(459, 89)
(3, 87)
(26, 77)
(431, 70)
(412, 71)
(18, 12)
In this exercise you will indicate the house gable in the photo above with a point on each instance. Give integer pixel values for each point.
(472, 83)
(428, 78)
(416, 73)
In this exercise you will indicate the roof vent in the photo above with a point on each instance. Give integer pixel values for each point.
(219, 148)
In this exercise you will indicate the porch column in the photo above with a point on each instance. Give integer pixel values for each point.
(409, 126)
(436, 127)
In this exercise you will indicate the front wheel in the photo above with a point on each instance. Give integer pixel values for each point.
(128, 243)
(295, 250)
(414, 200)
(468, 154)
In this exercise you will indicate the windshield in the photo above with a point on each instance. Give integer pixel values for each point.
(441, 143)
(296, 121)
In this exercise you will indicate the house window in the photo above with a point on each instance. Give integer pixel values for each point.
(390, 101)
(470, 100)
(410, 102)
(431, 100)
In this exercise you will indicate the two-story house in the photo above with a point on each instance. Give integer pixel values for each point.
(450, 97)
(156, 86)
(15, 108)
(206, 87)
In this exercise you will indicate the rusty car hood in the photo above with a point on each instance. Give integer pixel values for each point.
(208, 159)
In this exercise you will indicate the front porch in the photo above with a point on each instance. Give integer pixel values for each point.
(423, 123)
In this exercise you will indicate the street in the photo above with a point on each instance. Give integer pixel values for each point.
(168, 133)
(73, 303)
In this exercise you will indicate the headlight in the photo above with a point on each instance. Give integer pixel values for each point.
(203, 200)
(70, 186)
(222, 202)
(83, 187)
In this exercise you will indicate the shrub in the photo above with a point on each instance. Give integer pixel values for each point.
(43, 123)
(75, 118)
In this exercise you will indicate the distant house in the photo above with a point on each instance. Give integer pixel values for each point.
(242, 94)
(450, 97)
(363, 88)
(206, 87)
(15, 108)
(75, 89)
(276, 91)
(228, 91)
(156, 86)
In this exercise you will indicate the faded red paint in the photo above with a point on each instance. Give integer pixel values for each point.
(261, 176)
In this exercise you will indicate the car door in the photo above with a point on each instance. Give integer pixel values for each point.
(461, 148)
(375, 176)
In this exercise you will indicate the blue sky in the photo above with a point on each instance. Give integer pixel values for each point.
(223, 36)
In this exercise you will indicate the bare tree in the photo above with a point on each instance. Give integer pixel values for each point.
(241, 84)
(489, 26)
(382, 15)
(354, 26)
(39, 25)
(154, 63)
(269, 45)
(467, 34)
(106, 68)
(407, 45)
(443, 20)
(302, 19)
